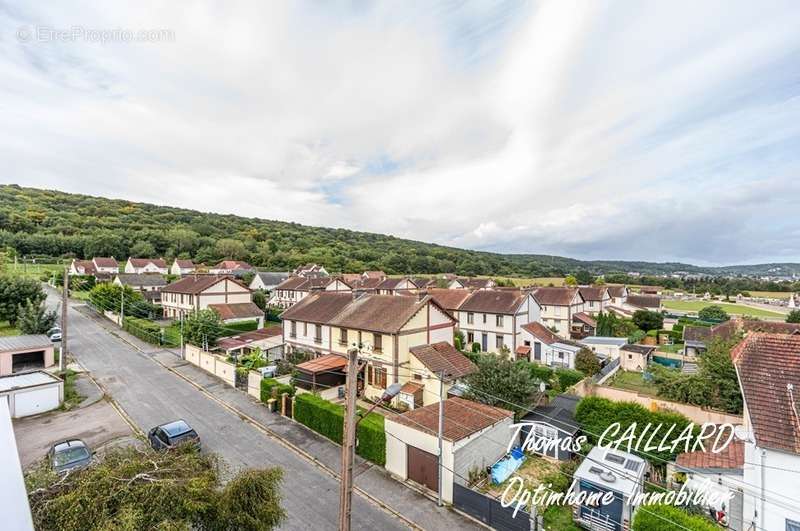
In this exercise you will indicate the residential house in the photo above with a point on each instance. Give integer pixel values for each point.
(651, 290)
(494, 318)
(294, 289)
(105, 265)
(305, 324)
(605, 470)
(583, 325)
(428, 364)
(196, 292)
(310, 270)
(474, 436)
(546, 425)
(472, 283)
(396, 286)
(619, 295)
(540, 345)
(558, 307)
(182, 267)
(635, 357)
(719, 473)
(228, 267)
(238, 312)
(148, 285)
(267, 281)
(596, 299)
(146, 265)
(768, 368)
(449, 299)
(367, 285)
(387, 327)
(373, 274)
(81, 267)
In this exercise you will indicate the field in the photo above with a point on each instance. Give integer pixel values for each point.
(781, 295)
(734, 309)
(535, 281)
(32, 270)
(632, 381)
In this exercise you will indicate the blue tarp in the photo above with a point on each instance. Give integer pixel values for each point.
(503, 469)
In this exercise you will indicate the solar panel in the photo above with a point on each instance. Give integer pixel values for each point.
(633, 465)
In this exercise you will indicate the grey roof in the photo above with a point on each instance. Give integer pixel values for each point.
(135, 279)
(600, 340)
(24, 342)
(614, 470)
(271, 278)
(559, 413)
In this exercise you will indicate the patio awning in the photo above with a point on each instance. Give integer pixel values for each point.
(326, 363)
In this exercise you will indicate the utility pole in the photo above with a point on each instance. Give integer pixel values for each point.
(62, 357)
(441, 433)
(122, 307)
(183, 354)
(348, 440)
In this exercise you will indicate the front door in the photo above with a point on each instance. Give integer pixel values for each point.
(537, 351)
(422, 467)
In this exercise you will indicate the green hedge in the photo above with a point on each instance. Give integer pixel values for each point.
(267, 386)
(143, 329)
(327, 419)
(241, 326)
(660, 517)
(568, 377)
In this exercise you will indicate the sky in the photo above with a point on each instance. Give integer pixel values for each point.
(654, 131)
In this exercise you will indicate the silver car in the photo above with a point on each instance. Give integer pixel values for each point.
(69, 455)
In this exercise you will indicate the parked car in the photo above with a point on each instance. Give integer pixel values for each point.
(172, 434)
(268, 371)
(69, 455)
(54, 334)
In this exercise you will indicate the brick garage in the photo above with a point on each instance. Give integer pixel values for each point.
(22, 353)
(475, 436)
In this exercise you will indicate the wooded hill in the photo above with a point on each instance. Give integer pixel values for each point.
(52, 223)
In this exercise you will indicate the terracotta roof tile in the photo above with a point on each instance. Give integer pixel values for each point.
(237, 310)
(462, 418)
(644, 301)
(542, 332)
(194, 284)
(767, 364)
(731, 457)
(102, 261)
(379, 313)
(585, 318)
(593, 293)
(449, 299)
(233, 264)
(443, 356)
(142, 262)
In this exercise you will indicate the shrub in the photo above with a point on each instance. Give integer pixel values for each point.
(327, 419)
(655, 517)
(272, 388)
(143, 329)
(587, 362)
(476, 347)
(568, 377)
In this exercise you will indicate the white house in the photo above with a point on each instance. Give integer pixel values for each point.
(540, 345)
(226, 267)
(105, 265)
(605, 347)
(182, 267)
(619, 295)
(474, 436)
(493, 318)
(310, 270)
(146, 265)
(267, 281)
(768, 368)
(196, 292)
(596, 299)
(81, 267)
(395, 286)
(472, 283)
(558, 307)
(295, 288)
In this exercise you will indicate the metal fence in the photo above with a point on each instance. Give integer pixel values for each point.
(489, 511)
(606, 372)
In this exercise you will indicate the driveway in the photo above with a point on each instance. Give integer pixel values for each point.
(96, 425)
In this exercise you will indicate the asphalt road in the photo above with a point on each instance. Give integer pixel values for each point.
(151, 395)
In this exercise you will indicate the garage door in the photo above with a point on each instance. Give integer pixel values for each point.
(423, 467)
(35, 401)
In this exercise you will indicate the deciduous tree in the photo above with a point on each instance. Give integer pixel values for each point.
(586, 362)
(34, 319)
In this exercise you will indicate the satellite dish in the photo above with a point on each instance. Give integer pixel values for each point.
(542, 387)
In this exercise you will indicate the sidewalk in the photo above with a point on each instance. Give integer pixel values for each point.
(373, 479)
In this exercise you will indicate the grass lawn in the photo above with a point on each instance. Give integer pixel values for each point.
(675, 348)
(8, 330)
(734, 309)
(633, 381)
(33, 270)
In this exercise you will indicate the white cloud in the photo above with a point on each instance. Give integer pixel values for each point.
(568, 128)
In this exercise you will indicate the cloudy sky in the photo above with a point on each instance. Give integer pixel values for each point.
(629, 130)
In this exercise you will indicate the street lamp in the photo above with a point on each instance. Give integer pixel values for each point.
(351, 420)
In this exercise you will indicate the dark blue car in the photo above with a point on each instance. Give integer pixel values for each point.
(172, 434)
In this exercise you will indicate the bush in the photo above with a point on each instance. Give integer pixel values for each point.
(713, 313)
(327, 419)
(587, 362)
(272, 388)
(476, 347)
(143, 329)
(568, 377)
(656, 517)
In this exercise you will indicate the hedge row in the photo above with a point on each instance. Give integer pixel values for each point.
(327, 419)
(270, 384)
(143, 329)
(660, 517)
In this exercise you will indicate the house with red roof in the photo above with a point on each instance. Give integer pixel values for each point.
(559, 304)
(227, 267)
(198, 292)
(182, 267)
(146, 265)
